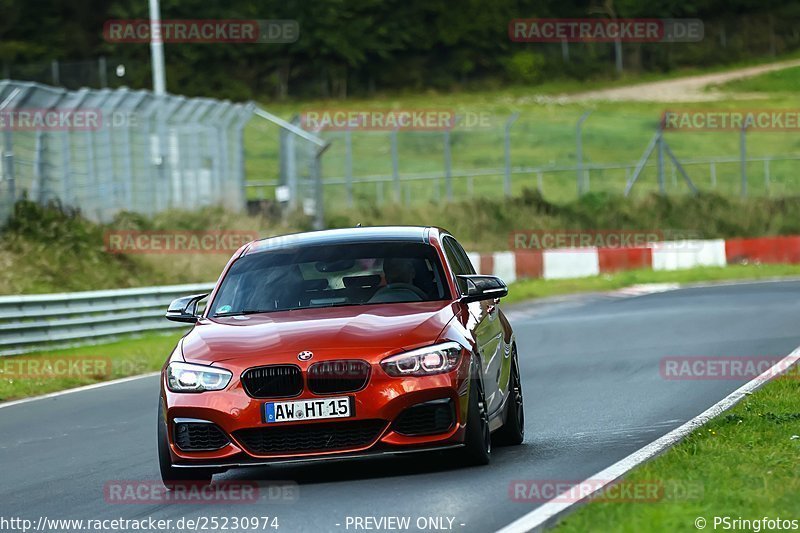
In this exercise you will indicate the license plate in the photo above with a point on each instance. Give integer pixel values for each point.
(294, 410)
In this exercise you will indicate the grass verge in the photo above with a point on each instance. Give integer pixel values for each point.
(132, 356)
(778, 81)
(26, 375)
(745, 462)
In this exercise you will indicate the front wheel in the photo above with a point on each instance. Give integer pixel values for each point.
(478, 441)
(170, 475)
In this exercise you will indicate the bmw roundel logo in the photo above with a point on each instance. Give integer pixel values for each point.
(305, 356)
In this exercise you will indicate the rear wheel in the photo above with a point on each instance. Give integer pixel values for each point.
(513, 430)
(478, 441)
(170, 475)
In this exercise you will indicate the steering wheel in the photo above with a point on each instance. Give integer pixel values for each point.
(400, 287)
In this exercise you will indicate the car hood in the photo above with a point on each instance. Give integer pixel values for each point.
(365, 332)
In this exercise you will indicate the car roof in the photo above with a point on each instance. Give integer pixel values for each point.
(344, 236)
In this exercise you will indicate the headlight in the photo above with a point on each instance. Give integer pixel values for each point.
(185, 377)
(436, 359)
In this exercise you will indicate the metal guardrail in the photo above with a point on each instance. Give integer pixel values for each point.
(46, 321)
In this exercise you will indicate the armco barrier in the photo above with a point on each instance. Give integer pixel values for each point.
(29, 323)
(40, 321)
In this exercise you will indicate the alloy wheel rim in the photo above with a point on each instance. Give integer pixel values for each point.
(519, 400)
(484, 415)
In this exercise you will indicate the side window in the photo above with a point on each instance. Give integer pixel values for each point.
(464, 257)
(458, 260)
(453, 258)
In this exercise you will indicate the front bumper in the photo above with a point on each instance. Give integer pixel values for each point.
(379, 404)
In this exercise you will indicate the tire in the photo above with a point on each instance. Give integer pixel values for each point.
(477, 448)
(170, 475)
(513, 430)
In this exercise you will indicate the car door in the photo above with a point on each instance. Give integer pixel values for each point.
(486, 329)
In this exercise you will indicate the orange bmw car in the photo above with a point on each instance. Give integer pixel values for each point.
(340, 344)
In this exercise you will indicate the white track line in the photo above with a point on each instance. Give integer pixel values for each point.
(549, 513)
(78, 389)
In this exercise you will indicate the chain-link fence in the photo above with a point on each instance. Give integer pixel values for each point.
(109, 150)
(104, 151)
(563, 151)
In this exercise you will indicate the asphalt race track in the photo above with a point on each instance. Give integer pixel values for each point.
(593, 394)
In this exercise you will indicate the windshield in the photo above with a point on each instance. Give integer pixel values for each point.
(331, 276)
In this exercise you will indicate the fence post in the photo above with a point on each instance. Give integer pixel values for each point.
(348, 165)
(642, 162)
(507, 143)
(8, 150)
(8, 165)
(37, 185)
(54, 73)
(290, 156)
(66, 184)
(581, 178)
(395, 168)
(94, 201)
(713, 175)
(743, 155)
(319, 196)
(661, 184)
(448, 167)
(102, 70)
(127, 147)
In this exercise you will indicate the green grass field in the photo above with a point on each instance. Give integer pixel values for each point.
(744, 462)
(544, 136)
(781, 81)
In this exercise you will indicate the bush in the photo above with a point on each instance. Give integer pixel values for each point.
(525, 67)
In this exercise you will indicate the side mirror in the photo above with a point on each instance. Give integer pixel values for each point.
(476, 288)
(184, 309)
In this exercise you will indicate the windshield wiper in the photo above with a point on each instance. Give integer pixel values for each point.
(346, 304)
(245, 312)
(257, 311)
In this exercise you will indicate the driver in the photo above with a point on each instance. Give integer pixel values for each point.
(398, 270)
(399, 274)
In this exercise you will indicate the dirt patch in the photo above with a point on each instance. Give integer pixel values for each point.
(688, 89)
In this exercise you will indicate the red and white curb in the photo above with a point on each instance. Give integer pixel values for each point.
(566, 263)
